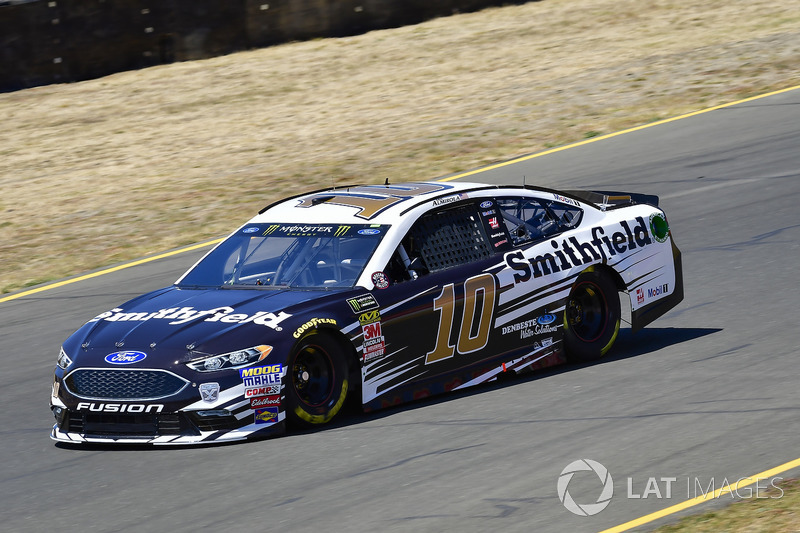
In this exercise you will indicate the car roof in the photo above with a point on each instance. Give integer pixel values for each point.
(371, 204)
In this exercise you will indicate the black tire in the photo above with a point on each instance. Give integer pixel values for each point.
(591, 317)
(316, 381)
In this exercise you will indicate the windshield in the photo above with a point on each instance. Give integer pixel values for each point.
(288, 255)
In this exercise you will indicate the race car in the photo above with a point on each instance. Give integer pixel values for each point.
(379, 293)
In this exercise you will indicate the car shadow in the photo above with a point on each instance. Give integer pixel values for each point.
(627, 346)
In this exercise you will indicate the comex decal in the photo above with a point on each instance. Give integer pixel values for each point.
(313, 323)
(571, 253)
(183, 315)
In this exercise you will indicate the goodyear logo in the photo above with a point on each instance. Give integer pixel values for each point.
(313, 323)
(369, 317)
(260, 371)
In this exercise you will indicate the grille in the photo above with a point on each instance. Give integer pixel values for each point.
(103, 384)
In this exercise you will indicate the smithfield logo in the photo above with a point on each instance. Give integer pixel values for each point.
(125, 358)
(586, 509)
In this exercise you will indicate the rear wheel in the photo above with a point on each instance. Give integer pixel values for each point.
(316, 385)
(591, 317)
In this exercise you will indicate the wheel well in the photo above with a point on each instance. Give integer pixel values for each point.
(351, 356)
(612, 274)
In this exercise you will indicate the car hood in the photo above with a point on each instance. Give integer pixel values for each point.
(182, 324)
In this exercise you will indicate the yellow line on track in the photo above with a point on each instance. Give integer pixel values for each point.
(450, 178)
(727, 489)
(109, 270)
(615, 134)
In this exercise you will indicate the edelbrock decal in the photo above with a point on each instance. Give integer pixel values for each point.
(125, 358)
(177, 316)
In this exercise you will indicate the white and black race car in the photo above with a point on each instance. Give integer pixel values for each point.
(394, 292)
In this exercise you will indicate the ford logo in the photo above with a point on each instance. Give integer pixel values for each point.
(250, 230)
(125, 358)
(368, 231)
(486, 205)
(546, 319)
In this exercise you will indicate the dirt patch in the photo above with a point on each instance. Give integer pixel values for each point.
(102, 171)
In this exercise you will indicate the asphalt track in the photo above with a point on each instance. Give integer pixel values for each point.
(708, 393)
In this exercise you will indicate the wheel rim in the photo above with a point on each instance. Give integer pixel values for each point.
(313, 376)
(587, 312)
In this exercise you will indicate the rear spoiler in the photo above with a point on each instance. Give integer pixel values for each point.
(606, 200)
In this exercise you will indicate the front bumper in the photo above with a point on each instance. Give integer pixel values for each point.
(185, 418)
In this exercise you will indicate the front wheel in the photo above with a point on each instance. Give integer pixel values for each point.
(591, 317)
(316, 381)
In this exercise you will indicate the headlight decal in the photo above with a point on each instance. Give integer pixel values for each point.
(235, 359)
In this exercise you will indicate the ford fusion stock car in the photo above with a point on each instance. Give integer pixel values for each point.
(387, 293)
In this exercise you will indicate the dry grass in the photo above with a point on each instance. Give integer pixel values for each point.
(106, 170)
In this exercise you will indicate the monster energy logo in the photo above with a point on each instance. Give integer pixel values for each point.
(363, 302)
(271, 229)
(342, 231)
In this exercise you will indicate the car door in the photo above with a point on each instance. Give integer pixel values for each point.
(437, 304)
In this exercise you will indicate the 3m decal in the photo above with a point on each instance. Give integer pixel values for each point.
(313, 323)
(268, 415)
(362, 302)
(477, 317)
(571, 253)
